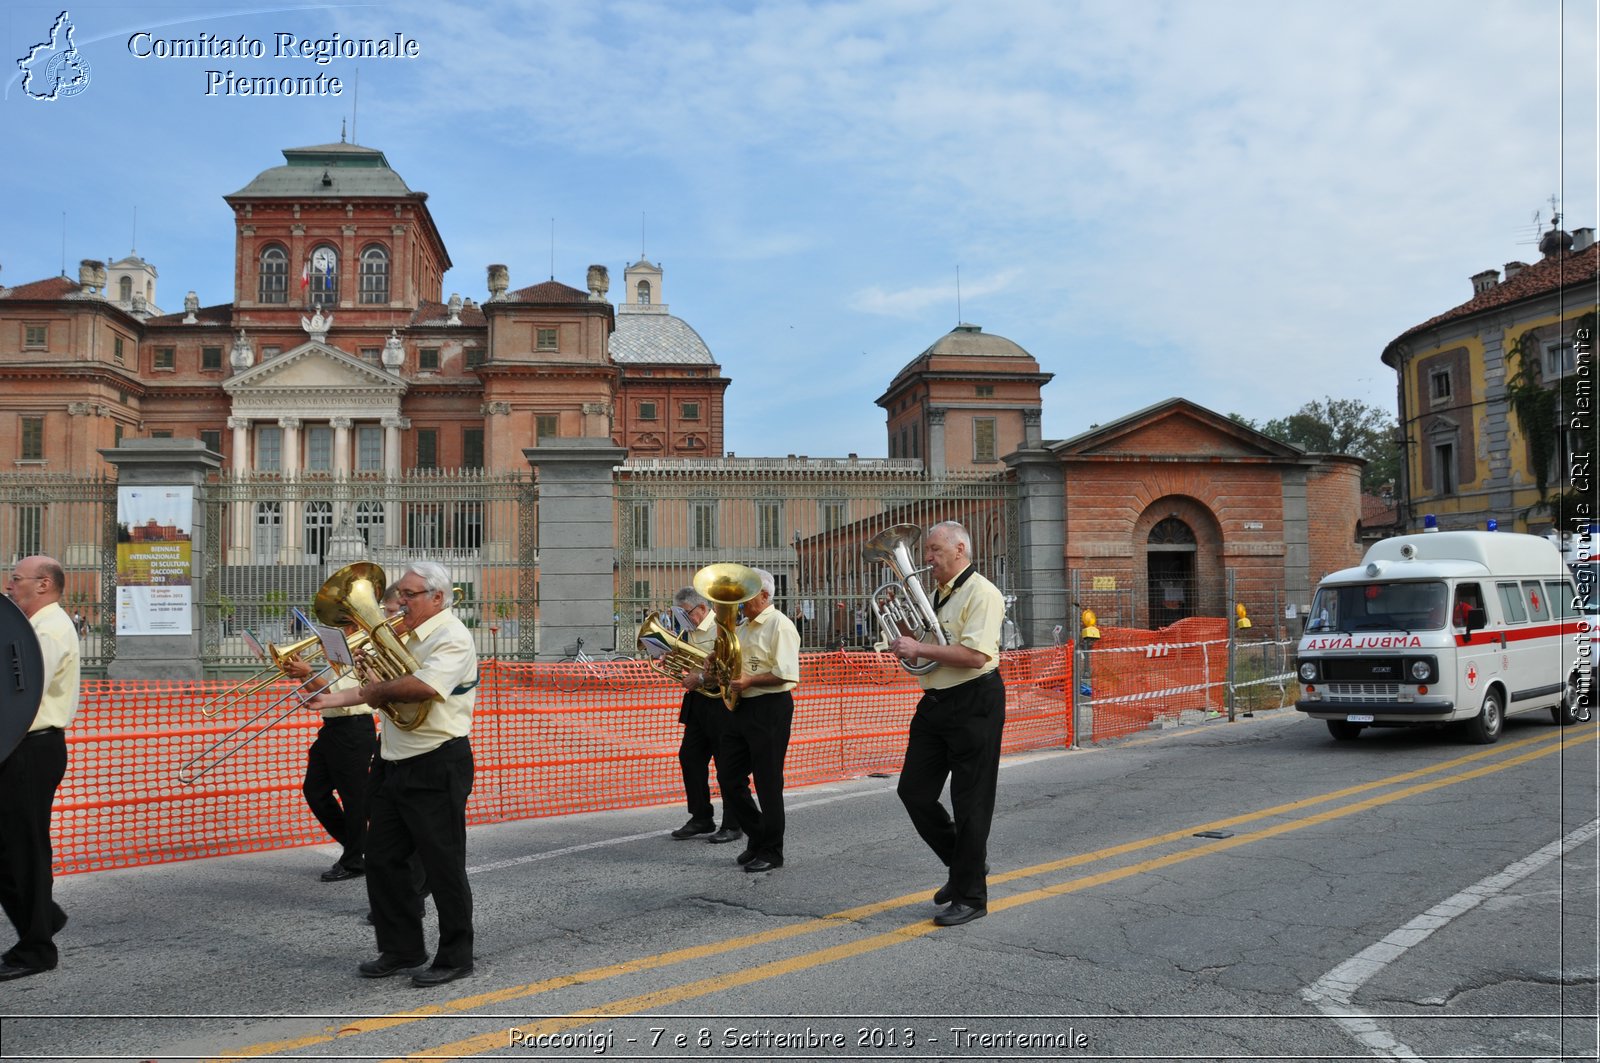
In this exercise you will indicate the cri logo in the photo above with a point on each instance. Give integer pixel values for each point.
(1472, 675)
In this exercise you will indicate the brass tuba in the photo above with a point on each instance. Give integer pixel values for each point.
(726, 586)
(901, 605)
(353, 596)
(681, 658)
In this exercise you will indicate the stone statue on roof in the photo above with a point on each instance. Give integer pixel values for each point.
(317, 325)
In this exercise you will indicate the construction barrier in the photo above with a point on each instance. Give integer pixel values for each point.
(547, 740)
(1133, 677)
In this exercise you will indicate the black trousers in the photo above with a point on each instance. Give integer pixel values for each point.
(955, 735)
(418, 811)
(704, 719)
(340, 762)
(755, 740)
(28, 781)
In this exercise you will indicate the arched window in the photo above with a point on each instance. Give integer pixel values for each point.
(269, 532)
(273, 285)
(369, 522)
(644, 293)
(318, 529)
(375, 275)
(324, 276)
(125, 289)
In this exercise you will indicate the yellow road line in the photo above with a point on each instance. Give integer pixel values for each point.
(1548, 742)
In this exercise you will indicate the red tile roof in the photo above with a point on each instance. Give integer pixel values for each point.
(432, 313)
(51, 288)
(548, 292)
(1551, 274)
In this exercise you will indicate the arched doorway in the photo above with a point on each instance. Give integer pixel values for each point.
(1170, 571)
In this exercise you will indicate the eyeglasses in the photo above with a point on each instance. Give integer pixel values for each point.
(406, 596)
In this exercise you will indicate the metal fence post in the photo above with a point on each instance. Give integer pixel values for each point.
(1230, 692)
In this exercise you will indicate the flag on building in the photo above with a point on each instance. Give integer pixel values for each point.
(305, 275)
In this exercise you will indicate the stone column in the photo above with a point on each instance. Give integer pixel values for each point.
(1041, 544)
(935, 463)
(577, 541)
(341, 465)
(293, 514)
(392, 426)
(239, 512)
(167, 463)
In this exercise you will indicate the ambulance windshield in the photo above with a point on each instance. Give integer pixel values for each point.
(1412, 606)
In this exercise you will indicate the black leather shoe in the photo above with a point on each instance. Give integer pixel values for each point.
(8, 971)
(440, 975)
(761, 864)
(385, 965)
(726, 834)
(745, 857)
(338, 873)
(693, 828)
(959, 913)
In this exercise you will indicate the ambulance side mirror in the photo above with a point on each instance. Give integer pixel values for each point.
(1477, 620)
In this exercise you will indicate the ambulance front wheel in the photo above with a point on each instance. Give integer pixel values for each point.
(1343, 730)
(1484, 728)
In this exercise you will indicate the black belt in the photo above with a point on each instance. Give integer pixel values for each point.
(941, 693)
(45, 731)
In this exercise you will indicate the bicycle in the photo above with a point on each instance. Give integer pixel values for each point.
(571, 680)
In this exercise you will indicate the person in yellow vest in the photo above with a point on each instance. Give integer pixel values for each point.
(421, 780)
(955, 732)
(30, 775)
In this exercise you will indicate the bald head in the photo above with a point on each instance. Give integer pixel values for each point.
(35, 582)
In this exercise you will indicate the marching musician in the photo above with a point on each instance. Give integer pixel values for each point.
(338, 767)
(755, 739)
(955, 732)
(30, 775)
(420, 784)
(703, 718)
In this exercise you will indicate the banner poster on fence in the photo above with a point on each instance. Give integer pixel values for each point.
(153, 557)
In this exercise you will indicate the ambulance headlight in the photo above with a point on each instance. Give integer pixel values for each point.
(1423, 669)
(1308, 671)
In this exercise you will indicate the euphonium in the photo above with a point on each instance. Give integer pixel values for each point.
(901, 606)
(681, 659)
(726, 586)
(352, 596)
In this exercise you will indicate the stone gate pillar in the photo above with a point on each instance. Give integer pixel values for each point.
(1041, 544)
(577, 542)
(167, 463)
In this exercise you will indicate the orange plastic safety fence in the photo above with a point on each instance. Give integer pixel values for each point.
(1135, 676)
(547, 739)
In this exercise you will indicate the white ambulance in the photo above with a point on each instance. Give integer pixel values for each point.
(1448, 626)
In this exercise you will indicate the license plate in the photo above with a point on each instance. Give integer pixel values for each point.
(1358, 719)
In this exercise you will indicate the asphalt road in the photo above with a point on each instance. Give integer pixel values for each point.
(1402, 896)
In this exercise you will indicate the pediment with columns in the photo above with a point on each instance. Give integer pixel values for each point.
(315, 377)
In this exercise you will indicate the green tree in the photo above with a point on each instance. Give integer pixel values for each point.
(1547, 414)
(1341, 426)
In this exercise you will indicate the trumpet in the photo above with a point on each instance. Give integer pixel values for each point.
(726, 586)
(901, 605)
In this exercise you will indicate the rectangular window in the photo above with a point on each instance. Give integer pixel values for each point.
(427, 448)
(647, 411)
(116, 349)
(833, 515)
(644, 519)
(428, 358)
(703, 524)
(690, 411)
(544, 339)
(211, 439)
(319, 448)
(371, 354)
(547, 425)
(36, 336)
(1511, 603)
(1538, 605)
(474, 356)
(1439, 384)
(33, 439)
(472, 448)
(369, 449)
(116, 435)
(166, 358)
(984, 391)
(210, 358)
(769, 524)
(269, 449)
(161, 433)
(983, 433)
(270, 351)
(1444, 468)
(1557, 360)
(30, 530)
(1561, 597)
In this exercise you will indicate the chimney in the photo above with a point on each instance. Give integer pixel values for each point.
(1514, 268)
(90, 275)
(1582, 239)
(1482, 282)
(599, 282)
(499, 281)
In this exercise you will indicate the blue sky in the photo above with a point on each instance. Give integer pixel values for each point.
(1236, 202)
